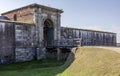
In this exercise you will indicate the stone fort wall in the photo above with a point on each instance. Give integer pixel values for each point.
(18, 40)
(89, 37)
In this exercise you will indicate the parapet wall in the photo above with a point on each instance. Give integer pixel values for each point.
(89, 37)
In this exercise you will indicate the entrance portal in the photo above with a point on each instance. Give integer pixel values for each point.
(48, 33)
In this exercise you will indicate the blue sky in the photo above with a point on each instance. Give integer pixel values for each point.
(86, 14)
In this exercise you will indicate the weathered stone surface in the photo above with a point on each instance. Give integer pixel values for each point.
(7, 38)
(24, 54)
(89, 37)
(41, 53)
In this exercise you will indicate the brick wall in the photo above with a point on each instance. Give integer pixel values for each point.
(22, 15)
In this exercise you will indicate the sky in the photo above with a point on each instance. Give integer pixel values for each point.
(103, 15)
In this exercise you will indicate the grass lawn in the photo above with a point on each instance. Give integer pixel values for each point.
(94, 61)
(33, 68)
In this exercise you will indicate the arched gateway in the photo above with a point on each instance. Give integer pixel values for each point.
(48, 33)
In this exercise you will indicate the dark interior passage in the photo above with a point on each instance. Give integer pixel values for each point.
(48, 33)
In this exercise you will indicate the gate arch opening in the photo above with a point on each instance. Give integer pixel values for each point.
(48, 33)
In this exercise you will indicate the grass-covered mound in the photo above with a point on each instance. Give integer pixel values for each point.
(94, 61)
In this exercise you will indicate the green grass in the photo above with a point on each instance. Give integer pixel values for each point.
(31, 68)
(93, 61)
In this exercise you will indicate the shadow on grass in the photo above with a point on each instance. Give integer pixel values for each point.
(31, 65)
(68, 62)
